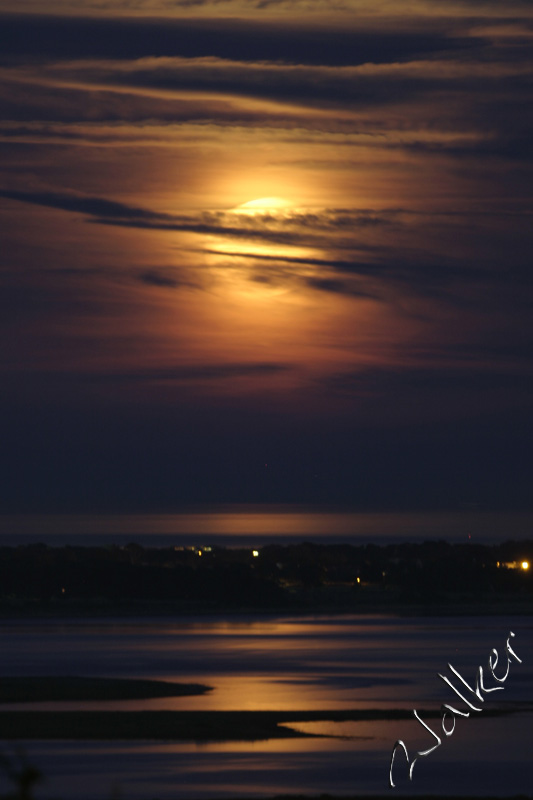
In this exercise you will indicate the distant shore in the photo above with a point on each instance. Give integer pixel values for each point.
(406, 579)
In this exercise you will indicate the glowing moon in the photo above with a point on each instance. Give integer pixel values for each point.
(263, 205)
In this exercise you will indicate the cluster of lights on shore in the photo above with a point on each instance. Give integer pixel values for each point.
(201, 550)
(505, 564)
(524, 565)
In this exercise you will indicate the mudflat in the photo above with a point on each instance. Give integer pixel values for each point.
(34, 689)
(199, 726)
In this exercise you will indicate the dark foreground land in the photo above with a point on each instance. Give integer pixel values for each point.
(431, 577)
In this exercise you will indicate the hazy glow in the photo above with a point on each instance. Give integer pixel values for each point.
(264, 204)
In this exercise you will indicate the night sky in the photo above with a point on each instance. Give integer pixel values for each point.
(266, 252)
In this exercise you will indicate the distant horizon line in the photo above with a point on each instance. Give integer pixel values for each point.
(234, 525)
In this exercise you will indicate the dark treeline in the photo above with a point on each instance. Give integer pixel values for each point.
(38, 578)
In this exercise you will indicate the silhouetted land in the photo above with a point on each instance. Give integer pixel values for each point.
(51, 688)
(199, 726)
(429, 577)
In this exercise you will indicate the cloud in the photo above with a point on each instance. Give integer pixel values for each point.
(163, 280)
(447, 87)
(313, 86)
(473, 103)
(41, 38)
(94, 206)
(290, 228)
(385, 274)
(339, 287)
(43, 101)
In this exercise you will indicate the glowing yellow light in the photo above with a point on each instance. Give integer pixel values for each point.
(255, 553)
(263, 205)
(525, 564)
(358, 580)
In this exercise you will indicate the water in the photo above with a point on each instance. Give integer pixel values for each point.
(265, 662)
(303, 663)
(249, 526)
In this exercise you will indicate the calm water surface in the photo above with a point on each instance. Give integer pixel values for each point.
(304, 663)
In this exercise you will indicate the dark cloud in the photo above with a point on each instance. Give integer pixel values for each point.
(93, 206)
(41, 38)
(387, 277)
(234, 222)
(163, 279)
(313, 86)
(282, 276)
(53, 104)
(294, 228)
(338, 287)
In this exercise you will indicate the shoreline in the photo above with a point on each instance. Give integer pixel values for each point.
(196, 726)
